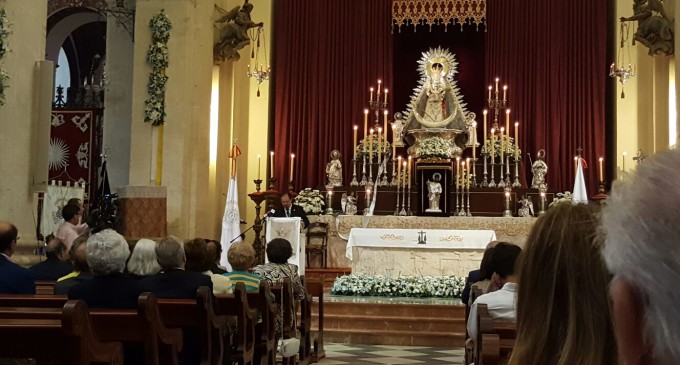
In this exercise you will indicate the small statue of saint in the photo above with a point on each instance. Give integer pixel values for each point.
(527, 209)
(434, 192)
(470, 123)
(334, 170)
(539, 168)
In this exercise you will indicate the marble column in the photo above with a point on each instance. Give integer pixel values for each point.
(19, 118)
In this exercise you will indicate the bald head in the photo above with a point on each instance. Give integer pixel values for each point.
(56, 249)
(8, 238)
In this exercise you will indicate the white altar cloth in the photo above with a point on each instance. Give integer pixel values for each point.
(440, 239)
(291, 230)
(396, 252)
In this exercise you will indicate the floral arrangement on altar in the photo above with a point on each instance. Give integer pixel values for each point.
(310, 200)
(401, 286)
(433, 147)
(561, 198)
(363, 147)
(157, 57)
(509, 148)
(4, 48)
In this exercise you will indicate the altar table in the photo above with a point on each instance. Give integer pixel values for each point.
(397, 251)
(513, 230)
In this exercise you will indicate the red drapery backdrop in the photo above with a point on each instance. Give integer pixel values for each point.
(327, 54)
(552, 55)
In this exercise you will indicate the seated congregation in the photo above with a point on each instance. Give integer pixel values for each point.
(160, 300)
(590, 286)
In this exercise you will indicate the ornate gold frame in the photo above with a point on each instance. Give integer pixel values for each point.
(434, 12)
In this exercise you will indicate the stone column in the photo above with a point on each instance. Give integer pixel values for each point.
(19, 116)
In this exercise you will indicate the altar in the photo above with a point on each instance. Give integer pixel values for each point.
(513, 230)
(396, 252)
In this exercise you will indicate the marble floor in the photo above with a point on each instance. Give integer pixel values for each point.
(339, 354)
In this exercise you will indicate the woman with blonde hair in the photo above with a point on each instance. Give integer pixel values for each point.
(143, 260)
(563, 314)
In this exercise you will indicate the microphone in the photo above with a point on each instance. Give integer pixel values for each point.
(269, 213)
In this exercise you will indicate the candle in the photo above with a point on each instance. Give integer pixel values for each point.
(490, 92)
(507, 121)
(458, 172)
(406, 177)
(259, 158)
(271, 164)
(467, 176)
(385, 123)
(623, 166)
(505, 91)
(502, 143)
(292, 164)
(409, 172)
(462, 175)
(354, 146)
(380, 144)
(485, 125)
(385, 95)
(601, 170)
(365, 126)
(516, 139)
(394, 145)
(399, 171)
(474, 139)
(370, 143)
(371, 98)
(497, 85)
(493, 147)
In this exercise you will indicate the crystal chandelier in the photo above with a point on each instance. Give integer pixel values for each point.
(620, 71)
(261, 71)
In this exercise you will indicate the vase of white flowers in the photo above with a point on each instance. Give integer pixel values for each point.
(311, 201)
(401, 286)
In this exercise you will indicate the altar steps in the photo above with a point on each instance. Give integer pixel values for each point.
(397, 324)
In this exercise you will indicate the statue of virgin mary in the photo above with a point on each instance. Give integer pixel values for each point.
(436, 102)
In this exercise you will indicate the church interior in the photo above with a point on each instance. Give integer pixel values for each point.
(356, 181)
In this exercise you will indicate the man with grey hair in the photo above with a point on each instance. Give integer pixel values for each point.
(107, 252)
(56, 265)
(174, 281)
(641, 225)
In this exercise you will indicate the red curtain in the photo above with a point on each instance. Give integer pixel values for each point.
(552, 55)
(327, 54)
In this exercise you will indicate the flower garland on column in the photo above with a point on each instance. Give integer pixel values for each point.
(4, 48)
(157, 57)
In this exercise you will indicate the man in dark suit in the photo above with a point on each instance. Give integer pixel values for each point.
(56, 265)
(81, 270)
(107, 253)
(288, 209)
(14, 279)
(174, 281)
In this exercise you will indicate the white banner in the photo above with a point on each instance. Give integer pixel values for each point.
(231, 222)
(289, 229)
(54, 199)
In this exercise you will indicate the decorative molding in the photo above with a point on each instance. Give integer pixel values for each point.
(54, 6)
(436, 12)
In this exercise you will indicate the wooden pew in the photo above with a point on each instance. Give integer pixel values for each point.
(315, 289)
(305, 328)
(265, 331)
(44, 287)
(70, 339)
(201, 326)
(241, 348)
(506, 332)
(469, 351)
(130, 327)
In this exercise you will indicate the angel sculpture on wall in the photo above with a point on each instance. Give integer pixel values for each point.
(655, 28)
(232, 32)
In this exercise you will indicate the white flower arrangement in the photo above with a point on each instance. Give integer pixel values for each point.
(310, 201)
(561, 198)
(402, 286)
(158, 57)
(362, 147)
(434, 147)
(509, 149)
(4, 49)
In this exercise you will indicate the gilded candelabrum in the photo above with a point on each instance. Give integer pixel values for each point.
(473, 182)
(542, 191)
(408, 209)
(354, 182)
(501, 179)
(517, 183)
(396, 209)
(363, 171)
(485, 182)
(394, 174)
(258, 197)
(492, 180)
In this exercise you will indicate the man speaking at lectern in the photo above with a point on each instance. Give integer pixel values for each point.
(288, 209)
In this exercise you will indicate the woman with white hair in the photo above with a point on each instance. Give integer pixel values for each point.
(107, 252)
(143, 260)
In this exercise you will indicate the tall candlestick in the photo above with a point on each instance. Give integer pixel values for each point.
(386, 96)
(458, 170)
(485, 112)
(474, 139)
(507, 121)
(271, 164)
(365, 126)
(354, 146)
(490, 92)
(516, 139)
(399, 172)
(371, 98)
(292, 164)
(462, 175)
(394, 145)
(380, 144)
(601, 170)
(575, 164)
(385, 123)
(406, 177)
(497, 79)
(259, 158)
(505, 92)
(467, 176)
(409, 172)
(623, 166)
